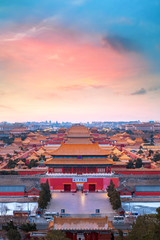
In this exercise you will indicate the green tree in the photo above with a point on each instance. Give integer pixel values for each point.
(45, 195)
(158, 213)
(138, 163)
(8, 140)
(114, 196)
(47, 190)
(42, 201)
(120, 235)
(11, 164)
(28, 227)
(13, 234)
(110, 188)
(42, 157)
(23, 136)
(147, 227)
(115, 199)
(140, 151)
(145, 140)
(115, 158)
(156, 157)
(130, 132)
(33, 163)
(130, 165)
(150, 153)
(8, 226)
(152, 139)
(56, 235)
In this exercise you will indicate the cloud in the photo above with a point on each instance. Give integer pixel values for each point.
(154, 89)
(46, 96)
(120, 21)
(33, 31)
(5, 107)
(54, 57)
(120, 44)
(2, 93)
(141, 91)
(75, 87)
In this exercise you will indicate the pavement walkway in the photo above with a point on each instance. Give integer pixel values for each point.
(81, 203)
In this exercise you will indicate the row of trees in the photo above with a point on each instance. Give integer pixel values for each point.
(56, 235)
(13, 163)
(13, 232)
(134, 164)
(45, 195)
(8, 172)
(156, 157)
(146, 227)
(114, 196)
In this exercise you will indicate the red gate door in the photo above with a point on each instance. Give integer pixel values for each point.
(67, 187)
(92, 187)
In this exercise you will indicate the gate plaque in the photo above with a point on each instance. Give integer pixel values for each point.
(79, 179)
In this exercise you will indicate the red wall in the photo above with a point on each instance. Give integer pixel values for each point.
(30, 172)
(11, 193)
(27, 171)
(118, 166)
(101, 183)
(90, 236)
(125, 194)
(147, 193)
(137, 172)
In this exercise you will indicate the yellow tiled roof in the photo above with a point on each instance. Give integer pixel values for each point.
(73, 161)
(72, 223)
(80, 149)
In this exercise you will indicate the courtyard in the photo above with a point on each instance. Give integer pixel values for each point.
(81, 203)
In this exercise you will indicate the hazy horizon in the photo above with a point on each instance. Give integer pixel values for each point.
(79, 122)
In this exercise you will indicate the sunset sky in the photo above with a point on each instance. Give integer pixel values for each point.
(79, 60)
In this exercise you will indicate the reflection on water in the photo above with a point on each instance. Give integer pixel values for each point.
(141, 207)
(8, 208)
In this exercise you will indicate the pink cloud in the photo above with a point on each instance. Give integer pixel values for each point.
(63, 69)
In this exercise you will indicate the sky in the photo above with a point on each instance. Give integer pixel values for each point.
(79, 60)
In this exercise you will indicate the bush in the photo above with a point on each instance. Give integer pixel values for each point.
(114, 196)
(28, 227)
(45, 195)
(138, 163)
(130, 165)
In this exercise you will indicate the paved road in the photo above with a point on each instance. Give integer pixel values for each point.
(81, 203)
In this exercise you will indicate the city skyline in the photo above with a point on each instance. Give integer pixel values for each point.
(79, 60)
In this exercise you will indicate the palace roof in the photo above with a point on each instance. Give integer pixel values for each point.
(78, 141)
(116, 151)
(139, 140)
(20, 163)
(84, 161)
(119, 163)
(19, 130)
(78, 131)
(73, 223)
(33, 156)
(17, 140)
(124, 157)
(80, 149)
